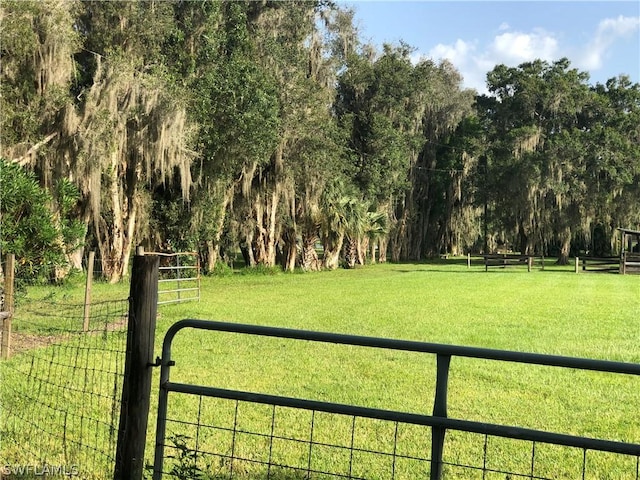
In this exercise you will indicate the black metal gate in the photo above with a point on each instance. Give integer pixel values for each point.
(399, 462)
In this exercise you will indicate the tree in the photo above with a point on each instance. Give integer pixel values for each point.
(612, 158)
(537, 152)
(38, 42)
(234, 101)
(131, 128)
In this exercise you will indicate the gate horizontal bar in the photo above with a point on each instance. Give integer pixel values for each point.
(408, 345)
(518, 433)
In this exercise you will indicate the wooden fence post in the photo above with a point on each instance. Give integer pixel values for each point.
(139, 362)
(87, 291)
(577, 264)
(9, 278)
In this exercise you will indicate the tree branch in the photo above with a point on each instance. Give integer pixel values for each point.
(22, 161)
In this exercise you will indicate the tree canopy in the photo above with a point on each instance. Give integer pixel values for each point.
(271, 129)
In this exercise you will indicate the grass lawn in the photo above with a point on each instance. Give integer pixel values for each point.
(553, 311)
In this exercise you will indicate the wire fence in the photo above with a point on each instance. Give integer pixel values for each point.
(61, 390)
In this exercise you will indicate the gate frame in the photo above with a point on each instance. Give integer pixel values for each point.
(438, 421)
(177, 267)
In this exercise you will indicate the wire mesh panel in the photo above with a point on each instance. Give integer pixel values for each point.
(493, 457)
(221, 438)
(218, 438)
(61, 390)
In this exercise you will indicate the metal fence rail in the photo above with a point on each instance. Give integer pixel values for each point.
(179, 277)
(234, 455)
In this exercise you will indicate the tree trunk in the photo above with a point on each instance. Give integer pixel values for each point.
(111, 240)
(265, 208)
(563, 258)
(350, 249)
(213, 244)
(75, 257)
(382, 249)
(246, 248)
(362, 246)
(212, 255)
(399, 238)
(372, 251)
(332, 249)
(115, 238)
(290, 250)
(310, 261)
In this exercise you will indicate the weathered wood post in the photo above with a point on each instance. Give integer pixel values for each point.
(468, 260)
(136, 390)
(7, 315)
(87, 291)
(577, 264)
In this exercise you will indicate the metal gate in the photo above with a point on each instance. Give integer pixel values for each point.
(179, 277)
(429, 463)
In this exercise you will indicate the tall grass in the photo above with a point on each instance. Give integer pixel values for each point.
(553, 311)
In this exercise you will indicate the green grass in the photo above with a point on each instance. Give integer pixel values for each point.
(553, 311)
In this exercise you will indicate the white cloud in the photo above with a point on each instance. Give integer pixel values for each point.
(608, 31)
(519, 47)
(510, 48)
(462, 55)
(456, 53)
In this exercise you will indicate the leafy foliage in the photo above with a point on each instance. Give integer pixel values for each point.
(29, 229)
(212, 126)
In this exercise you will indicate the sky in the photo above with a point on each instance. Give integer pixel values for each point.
(599, 37)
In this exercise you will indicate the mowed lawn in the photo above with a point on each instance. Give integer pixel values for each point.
(554, 311)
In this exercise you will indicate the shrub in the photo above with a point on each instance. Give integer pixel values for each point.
(29, 229)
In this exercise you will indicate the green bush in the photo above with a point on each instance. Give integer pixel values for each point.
(29, 229)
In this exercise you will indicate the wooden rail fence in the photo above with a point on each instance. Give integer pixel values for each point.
(506, 260)
(630, 263)
(598, 264)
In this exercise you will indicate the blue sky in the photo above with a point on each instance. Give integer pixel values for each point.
(602, 38)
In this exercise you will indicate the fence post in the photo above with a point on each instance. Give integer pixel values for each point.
(439, 410)
(178, 274)
(9, 278)
(136, 389)
(87, 291)
(577, 264)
